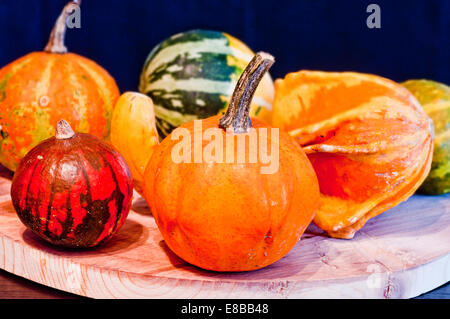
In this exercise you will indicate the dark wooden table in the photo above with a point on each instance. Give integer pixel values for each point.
(14, 287)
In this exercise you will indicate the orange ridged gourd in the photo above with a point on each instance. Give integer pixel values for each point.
(368, 139)
(40, 88)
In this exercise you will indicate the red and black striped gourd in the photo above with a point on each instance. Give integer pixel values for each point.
(73, 189)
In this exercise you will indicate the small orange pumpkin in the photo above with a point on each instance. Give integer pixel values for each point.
(368, 139)
(225, 214)
(40, 88)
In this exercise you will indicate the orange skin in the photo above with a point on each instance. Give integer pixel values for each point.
(368, 139)
(40, 88)
(229, 216)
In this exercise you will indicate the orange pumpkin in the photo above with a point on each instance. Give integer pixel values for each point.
(368, 139)
(133, 132)
(42, 87)
(221, 213)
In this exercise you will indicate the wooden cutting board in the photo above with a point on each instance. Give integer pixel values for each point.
(402, 253)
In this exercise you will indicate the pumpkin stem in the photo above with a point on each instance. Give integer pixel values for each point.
(63, 130)
(238, 113)
(56, 42)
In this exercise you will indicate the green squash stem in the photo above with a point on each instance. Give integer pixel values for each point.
(63, 130)
(56, 42)
(238, 113)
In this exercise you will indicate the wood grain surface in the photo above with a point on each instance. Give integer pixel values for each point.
(400, 254)
(15, 287)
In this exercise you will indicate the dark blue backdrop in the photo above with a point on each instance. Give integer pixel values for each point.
(413, 41)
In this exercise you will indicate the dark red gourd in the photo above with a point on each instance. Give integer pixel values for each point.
(73, 190)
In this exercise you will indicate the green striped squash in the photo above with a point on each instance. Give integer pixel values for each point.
(435, 99)
(191, 75)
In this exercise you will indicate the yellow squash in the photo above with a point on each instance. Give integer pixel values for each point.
(133, 132)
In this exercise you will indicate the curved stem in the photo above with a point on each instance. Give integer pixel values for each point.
(238, 113)
(63, 130)
(56, 42)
